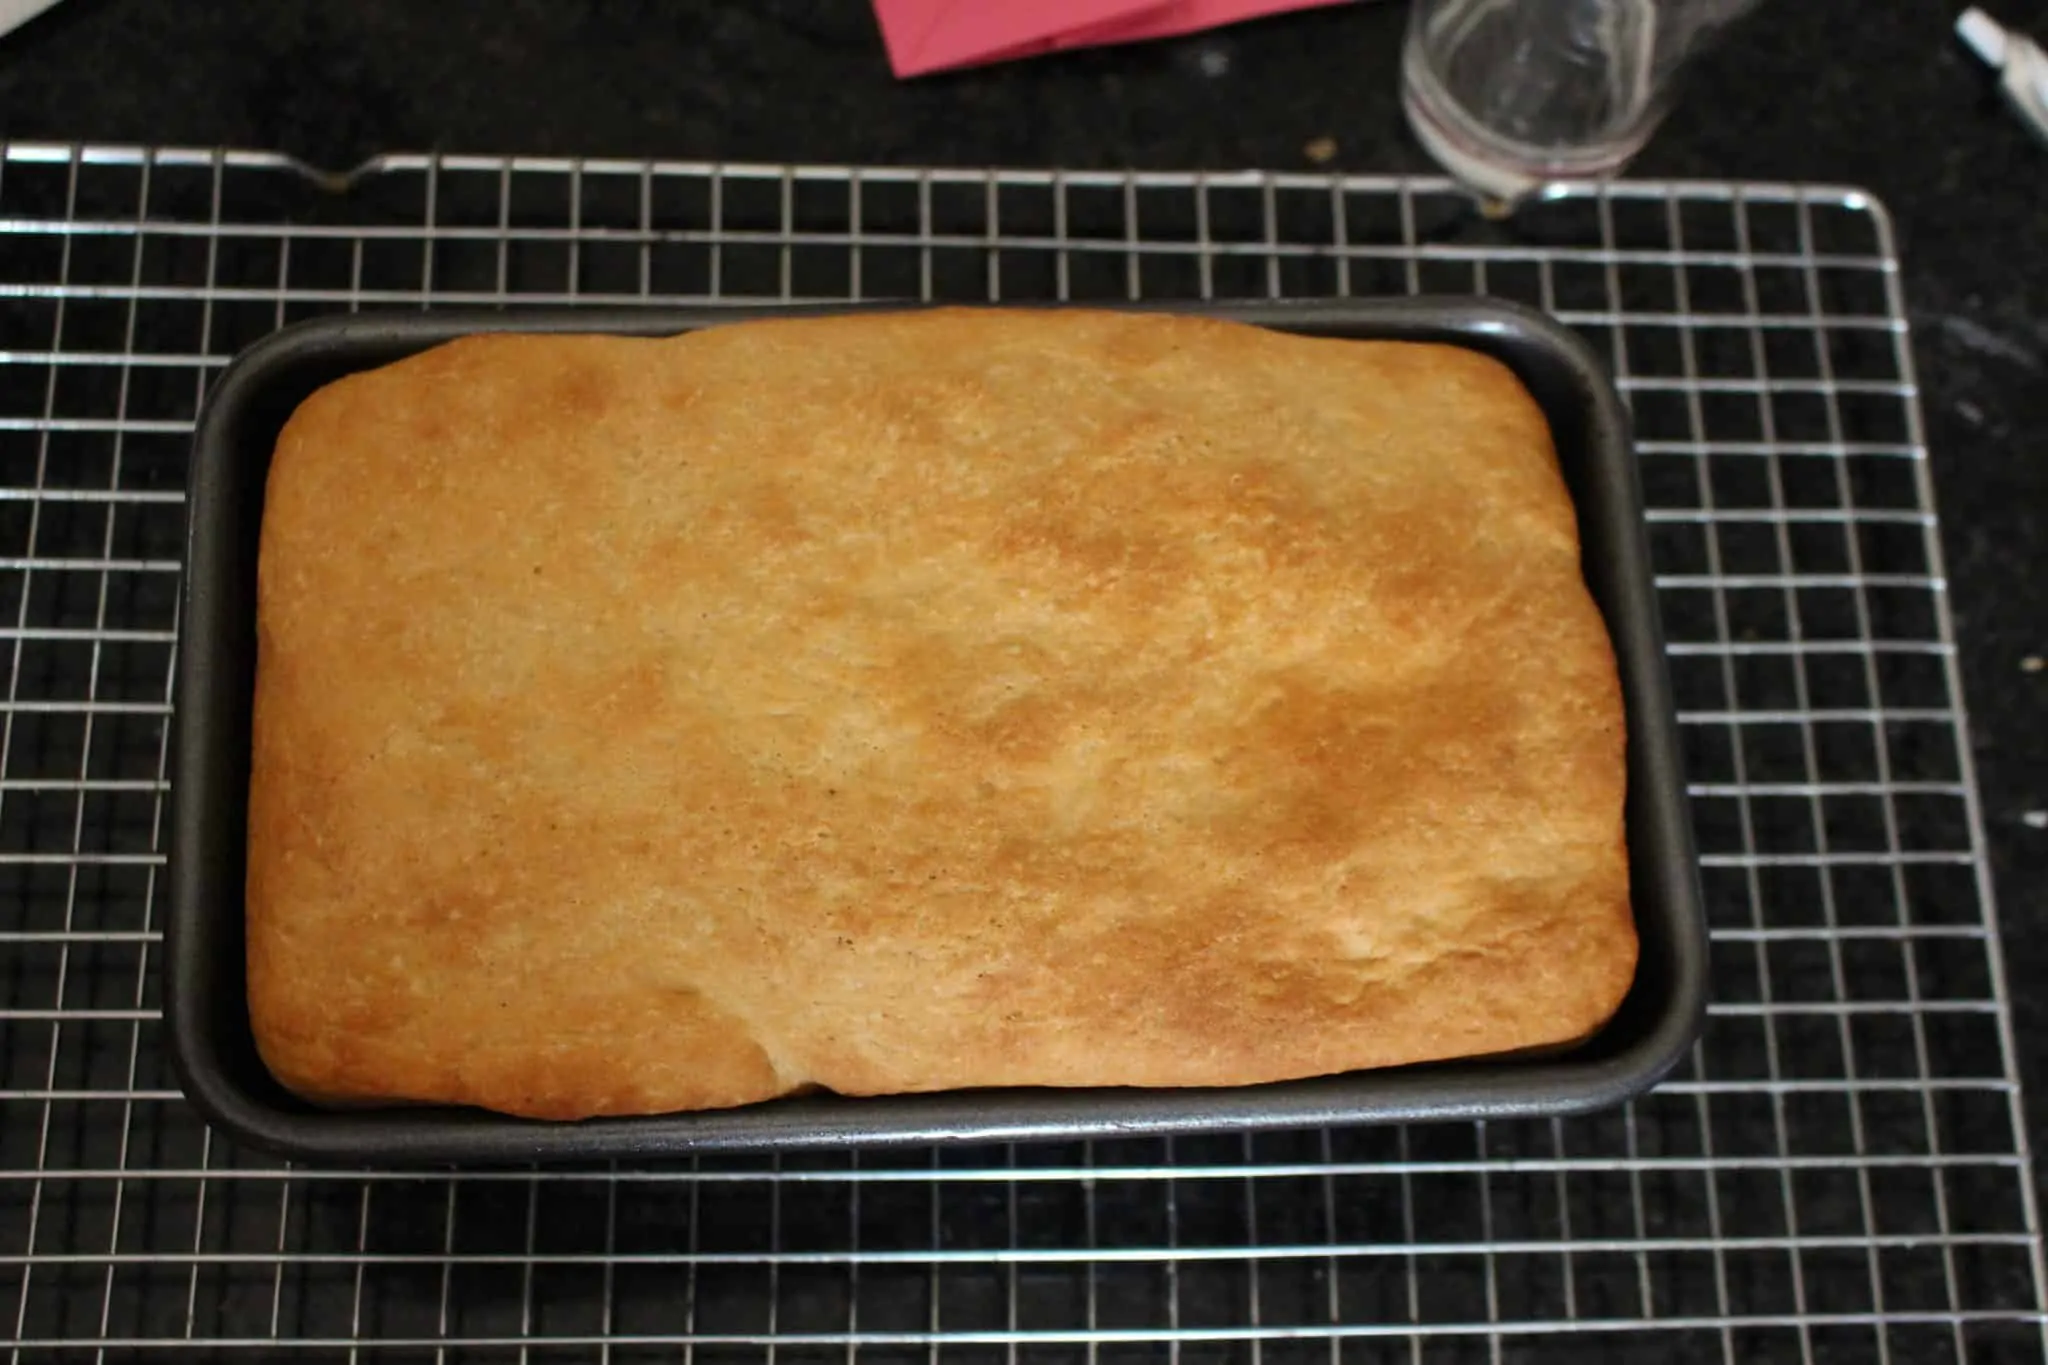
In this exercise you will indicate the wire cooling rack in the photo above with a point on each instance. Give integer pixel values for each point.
(1838, 1173)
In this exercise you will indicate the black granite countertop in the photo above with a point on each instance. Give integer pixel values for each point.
(1874, 95)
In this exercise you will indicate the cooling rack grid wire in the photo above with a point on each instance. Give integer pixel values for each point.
(1837, 1173)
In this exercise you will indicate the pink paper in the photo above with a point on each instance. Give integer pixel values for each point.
(932, 35)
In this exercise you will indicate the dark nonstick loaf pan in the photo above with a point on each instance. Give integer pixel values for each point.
(204, 995)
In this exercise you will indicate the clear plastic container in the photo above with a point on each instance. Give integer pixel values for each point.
(1511, 95)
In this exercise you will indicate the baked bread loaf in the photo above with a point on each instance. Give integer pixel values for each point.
(911, 701)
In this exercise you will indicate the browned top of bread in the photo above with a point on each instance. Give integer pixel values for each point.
(924, 700)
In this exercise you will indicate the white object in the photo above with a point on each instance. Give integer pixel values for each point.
(2020, 62)
(15, 13)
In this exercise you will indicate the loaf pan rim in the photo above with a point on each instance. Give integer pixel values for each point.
(206, 870)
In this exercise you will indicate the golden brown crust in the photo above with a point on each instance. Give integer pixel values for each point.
(926, 700)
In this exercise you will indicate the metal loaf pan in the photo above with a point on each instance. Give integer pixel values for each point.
(203, 991)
